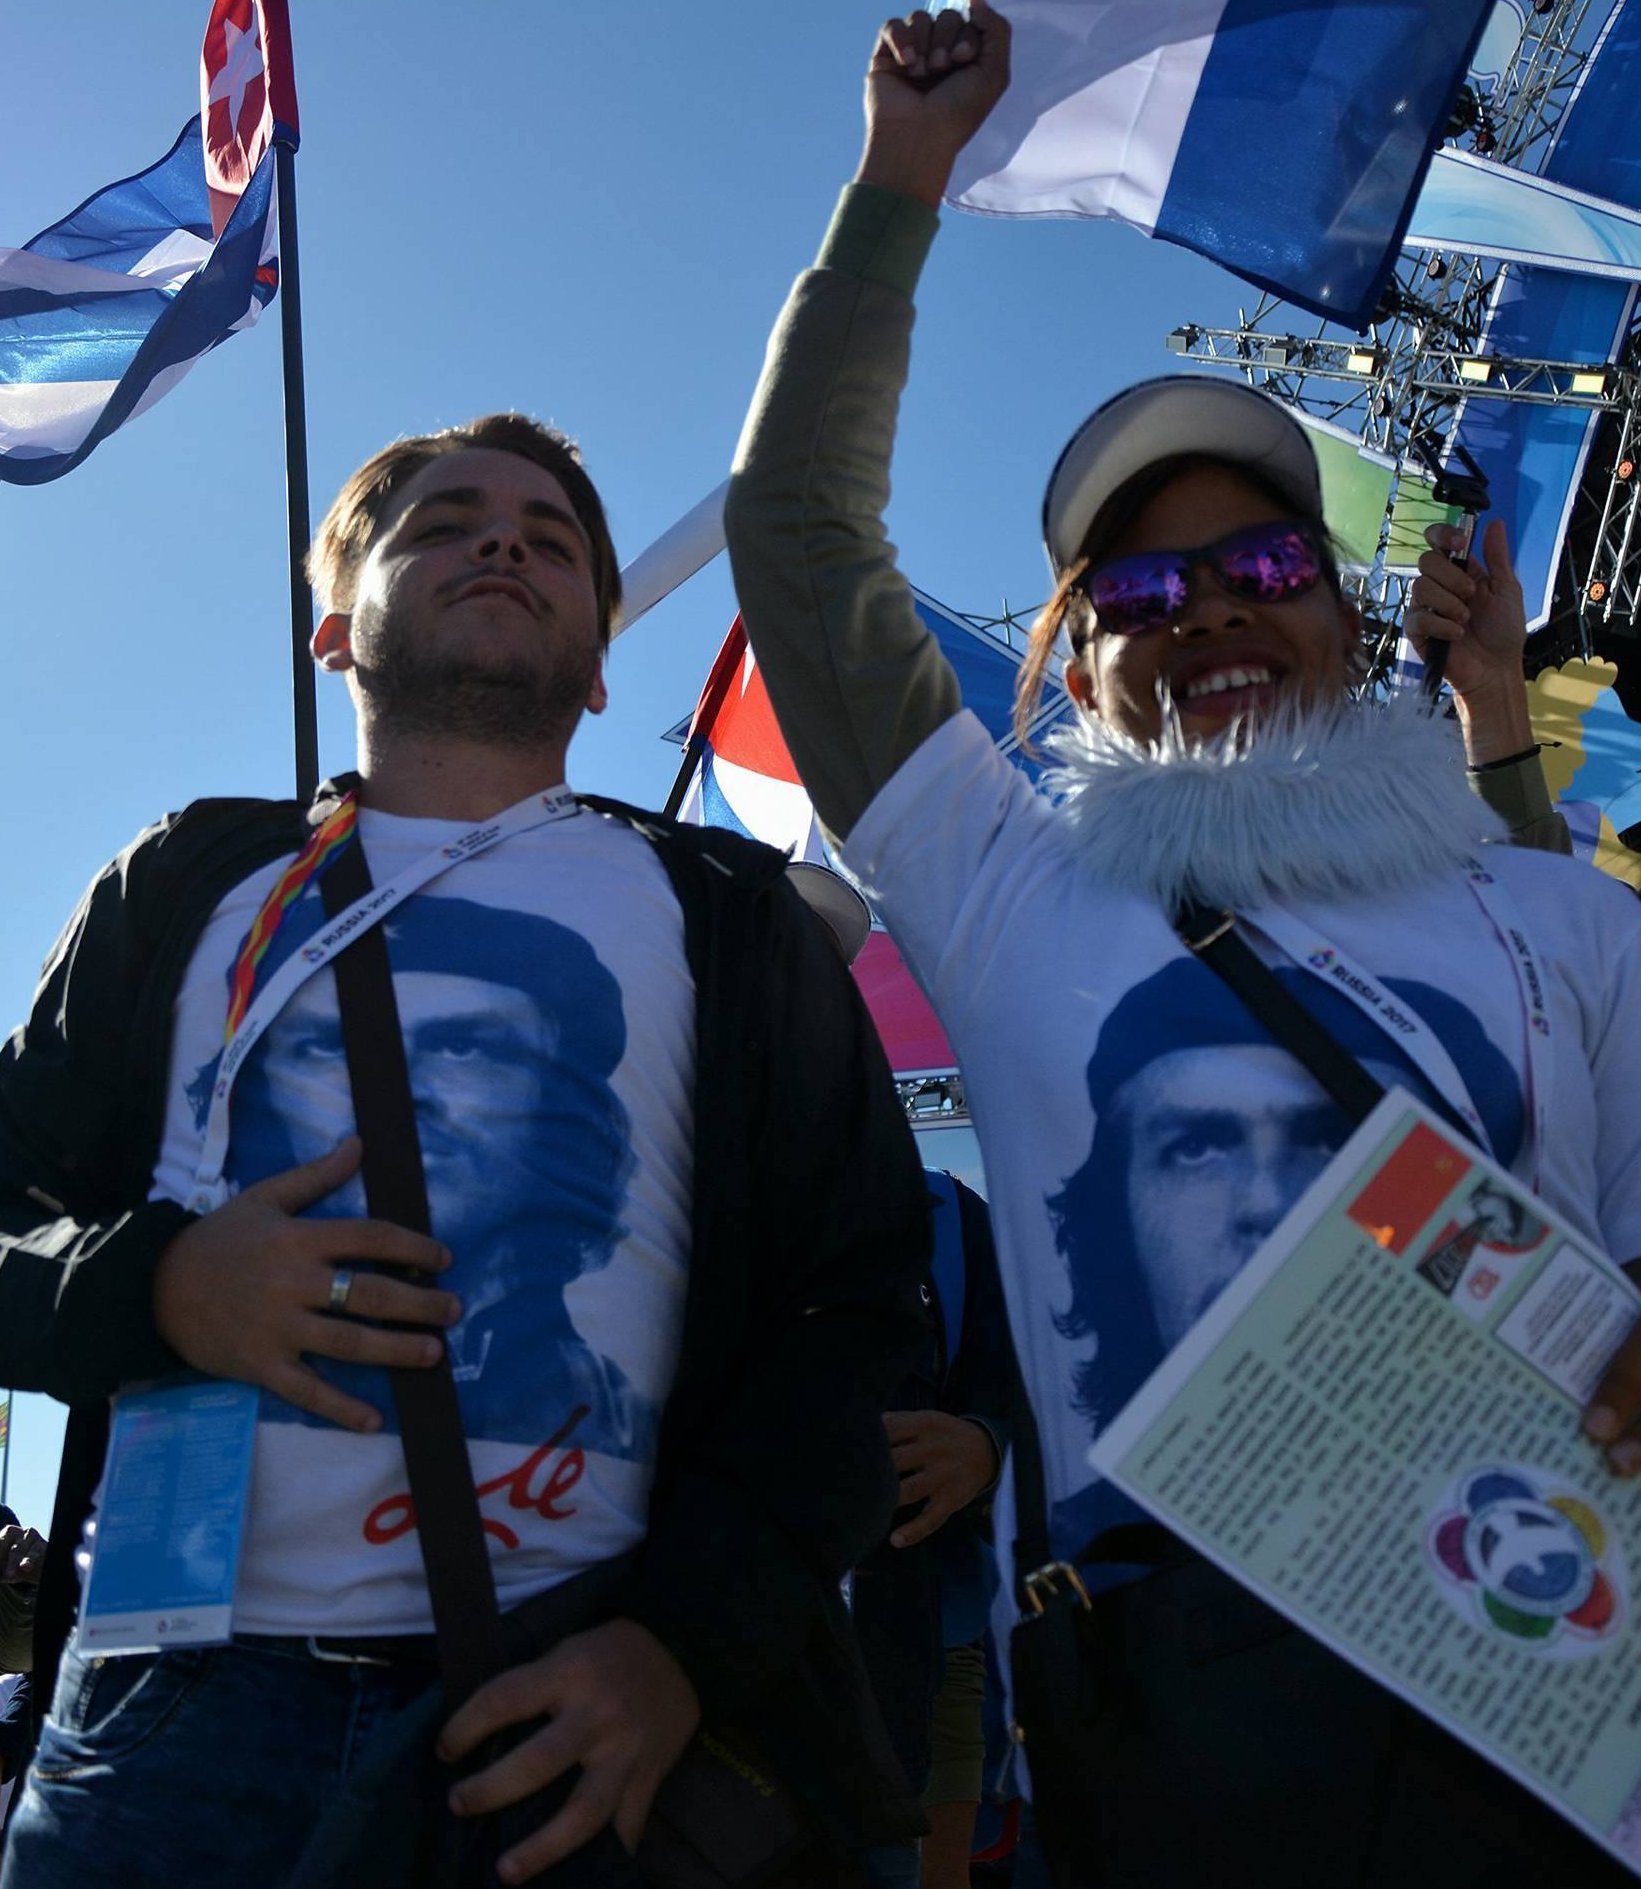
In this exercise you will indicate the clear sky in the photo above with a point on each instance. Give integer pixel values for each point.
(588, 211)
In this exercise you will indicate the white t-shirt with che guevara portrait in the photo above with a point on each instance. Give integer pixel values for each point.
(1142, 1135)
(549, 1020)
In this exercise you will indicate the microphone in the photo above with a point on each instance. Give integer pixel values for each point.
(1468, 490)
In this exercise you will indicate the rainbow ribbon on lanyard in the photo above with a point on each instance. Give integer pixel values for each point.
(332, 834)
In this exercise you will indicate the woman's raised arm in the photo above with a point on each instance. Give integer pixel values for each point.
(857, 681)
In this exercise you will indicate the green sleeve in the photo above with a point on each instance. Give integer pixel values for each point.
(1517, 792)
(857, 681)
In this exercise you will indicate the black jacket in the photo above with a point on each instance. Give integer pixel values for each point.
(810, 1239)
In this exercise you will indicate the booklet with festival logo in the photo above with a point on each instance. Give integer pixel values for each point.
(1375, 1427)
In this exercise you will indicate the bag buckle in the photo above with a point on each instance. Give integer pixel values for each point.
(1200, 943)
(1048, 1582)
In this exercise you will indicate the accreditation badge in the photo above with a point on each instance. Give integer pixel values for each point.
(171, 1518)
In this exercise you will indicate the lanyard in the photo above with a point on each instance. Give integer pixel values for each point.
(328, 840)
(248, 1021)
(1311, 951)
(1504, 915)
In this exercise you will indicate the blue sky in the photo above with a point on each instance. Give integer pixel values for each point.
(586, 211)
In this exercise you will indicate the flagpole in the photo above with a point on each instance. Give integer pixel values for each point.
(304, 701)
(694, 748)
(725, 668)
(5, 1453)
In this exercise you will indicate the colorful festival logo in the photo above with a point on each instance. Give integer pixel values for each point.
(1530, 1562)
(1321, 959)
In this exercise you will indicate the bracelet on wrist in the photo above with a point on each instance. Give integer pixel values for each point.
(1507, 760)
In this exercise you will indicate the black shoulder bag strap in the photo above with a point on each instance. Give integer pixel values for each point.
(1056, 1655)
(1211, 936)
(448, 1526)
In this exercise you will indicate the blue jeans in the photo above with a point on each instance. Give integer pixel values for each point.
(894, 1865)
(1030, 1864)
(199, 1768)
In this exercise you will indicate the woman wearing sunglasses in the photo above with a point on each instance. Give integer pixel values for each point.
(1142, 1134)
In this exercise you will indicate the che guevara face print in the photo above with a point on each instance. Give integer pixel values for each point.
(512, 1030)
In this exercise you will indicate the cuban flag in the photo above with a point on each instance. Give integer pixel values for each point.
(1284, 139)
(247, 91)
(103, 313)
(746, 780)
(744, 777)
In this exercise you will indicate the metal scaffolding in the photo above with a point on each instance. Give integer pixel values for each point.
(933, 1101)
(1421, 356)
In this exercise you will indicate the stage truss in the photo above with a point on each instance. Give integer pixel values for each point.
(934, 1101)
(1421, 356)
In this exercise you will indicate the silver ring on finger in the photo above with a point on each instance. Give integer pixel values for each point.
(341, 1284)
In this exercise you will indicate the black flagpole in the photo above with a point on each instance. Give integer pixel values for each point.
(694, 748)
(304, 703)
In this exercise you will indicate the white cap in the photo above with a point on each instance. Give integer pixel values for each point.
(1158, 419)
(835, 902)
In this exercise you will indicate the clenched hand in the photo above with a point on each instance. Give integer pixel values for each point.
(932, 81)
(22, 1555)
(616, 1703)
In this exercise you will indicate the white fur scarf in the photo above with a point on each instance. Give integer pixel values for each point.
(1367, 799)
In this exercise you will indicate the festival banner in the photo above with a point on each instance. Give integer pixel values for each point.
(1533, 455)
(1472, 204)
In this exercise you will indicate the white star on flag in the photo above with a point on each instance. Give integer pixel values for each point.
(241, 68)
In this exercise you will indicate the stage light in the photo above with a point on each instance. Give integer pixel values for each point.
(1179, 340)
(1594, 381)
(1364, 360)
(1277, 353)
(1477, 370)
(1597, 592)
(1625, 469)
(1466, 111)
(1435, 268)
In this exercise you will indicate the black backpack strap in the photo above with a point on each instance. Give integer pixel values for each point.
(448, 1526)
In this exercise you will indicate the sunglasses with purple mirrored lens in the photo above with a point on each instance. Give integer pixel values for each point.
(1263, 563)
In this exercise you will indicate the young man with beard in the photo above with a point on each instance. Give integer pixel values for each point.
(678, 1232)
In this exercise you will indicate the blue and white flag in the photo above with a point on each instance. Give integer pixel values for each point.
(1284, 139)
(106, 311)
